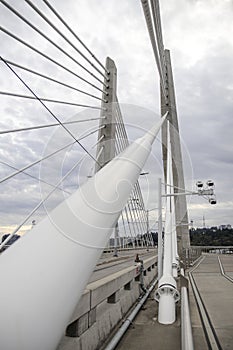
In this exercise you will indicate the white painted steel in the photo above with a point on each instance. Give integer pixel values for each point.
(186, 326)
(167, 294)
(160, 228)
(155, 45)
(173, 228)
(167, 310)
(44, 273)
(167, 270)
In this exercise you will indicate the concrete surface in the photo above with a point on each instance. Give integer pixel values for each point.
(104, 304)
(217, 294)
(198, 333)
(146, 333)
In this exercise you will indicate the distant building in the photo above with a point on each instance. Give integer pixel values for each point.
(225, 227)
(121, 241)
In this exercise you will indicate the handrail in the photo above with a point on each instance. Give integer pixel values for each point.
(186, 326)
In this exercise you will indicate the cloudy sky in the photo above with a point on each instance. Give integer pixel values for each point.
(199, 35)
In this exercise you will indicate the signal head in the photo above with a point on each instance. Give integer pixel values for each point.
(212, 201)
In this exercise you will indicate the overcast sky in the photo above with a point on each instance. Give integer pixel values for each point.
(198, 34)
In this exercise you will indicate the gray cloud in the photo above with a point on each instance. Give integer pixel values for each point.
(199, 35)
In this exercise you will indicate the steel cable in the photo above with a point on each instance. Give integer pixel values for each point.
(158, 31)
(12, 94)
(53, 80)
(49, 40)
(149, 24)
(124, 143)
(48, 58)
(63, 36)
(39, 204)
(46, 157)
(50, 112)
(36, 127)
(33, 177)
(75, 35)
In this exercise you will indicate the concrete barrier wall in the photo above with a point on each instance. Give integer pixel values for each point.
(103, 305)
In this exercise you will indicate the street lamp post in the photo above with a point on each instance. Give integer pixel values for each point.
(160, 228)
(167, 294)
(206, 192)
(116, 237)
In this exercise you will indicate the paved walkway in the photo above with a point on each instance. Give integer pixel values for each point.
(217, 294)
(146, 333)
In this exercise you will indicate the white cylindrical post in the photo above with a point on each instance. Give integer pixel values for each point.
(175, 258)
(116, 238)
(167, 294)
(167, 311)
(160, 228)
(147, 222)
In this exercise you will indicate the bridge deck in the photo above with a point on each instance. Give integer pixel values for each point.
(147, 333)
(216, 292)
(217, 295)
(108, 264)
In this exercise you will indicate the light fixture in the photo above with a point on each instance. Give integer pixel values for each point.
(210, 183)
(212, 201)
(199, 184)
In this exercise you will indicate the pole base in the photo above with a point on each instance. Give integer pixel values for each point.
(167, 296)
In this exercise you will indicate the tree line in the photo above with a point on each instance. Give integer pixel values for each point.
(206, 237)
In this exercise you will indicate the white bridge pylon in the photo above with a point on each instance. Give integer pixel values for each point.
(44, 273)
(167, 294)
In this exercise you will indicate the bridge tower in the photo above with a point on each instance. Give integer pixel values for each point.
(106, 137)
(106, 148)
(168, 104)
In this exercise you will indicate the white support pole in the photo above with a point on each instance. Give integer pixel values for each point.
(147, 222)
(148, 236)
(160, 229)
(175, 257)
(44, 273)
(116, 238)
(167, 294)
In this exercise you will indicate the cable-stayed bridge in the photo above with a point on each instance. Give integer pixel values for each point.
(83, 189)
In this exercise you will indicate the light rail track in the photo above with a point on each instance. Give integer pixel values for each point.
(208, 327)
(223, 272)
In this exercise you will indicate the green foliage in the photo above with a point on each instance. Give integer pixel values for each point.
(211, 237)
